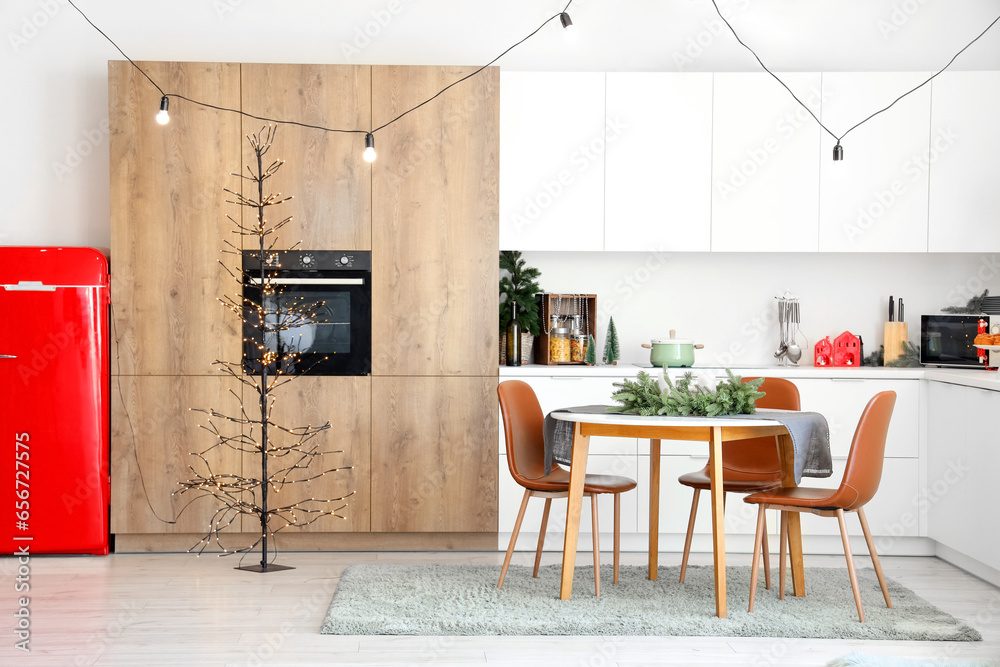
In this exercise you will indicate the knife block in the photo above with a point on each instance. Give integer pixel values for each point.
(895, 336)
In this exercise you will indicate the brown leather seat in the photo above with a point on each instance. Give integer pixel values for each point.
(748, 466)
(523, 426)
(861, 480)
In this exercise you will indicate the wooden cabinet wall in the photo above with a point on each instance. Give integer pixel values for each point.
(346, 403)
(153, 435)
(323, 171)
(168, 218)
(435, 229)
(428, 211)
(433, 457)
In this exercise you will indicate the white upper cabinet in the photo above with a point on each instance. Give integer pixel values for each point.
(765, 163)
(964, 141)
(875, 199)
(552, 150)
(659, 162)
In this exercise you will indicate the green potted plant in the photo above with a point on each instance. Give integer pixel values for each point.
(520, 286)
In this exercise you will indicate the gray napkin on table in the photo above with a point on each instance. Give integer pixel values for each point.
(809, 431)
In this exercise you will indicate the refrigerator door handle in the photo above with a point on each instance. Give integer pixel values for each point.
(8, 356)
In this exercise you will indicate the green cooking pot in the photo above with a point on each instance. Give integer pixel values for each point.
(672, 352)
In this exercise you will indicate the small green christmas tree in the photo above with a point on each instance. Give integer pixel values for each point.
(611, 353)
(591, 357)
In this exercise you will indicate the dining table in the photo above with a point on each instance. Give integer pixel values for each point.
(712, 430)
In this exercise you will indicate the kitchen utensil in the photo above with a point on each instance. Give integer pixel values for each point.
(672, 352)
(794, 351)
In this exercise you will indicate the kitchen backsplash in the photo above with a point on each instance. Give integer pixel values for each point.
(727, 300)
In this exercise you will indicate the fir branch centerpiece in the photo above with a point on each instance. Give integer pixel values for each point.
(690, 396)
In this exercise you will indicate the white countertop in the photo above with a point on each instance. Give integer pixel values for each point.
(791, 372)
(966, 377)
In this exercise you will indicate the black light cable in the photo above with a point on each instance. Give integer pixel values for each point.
(838, 150)
(163, 116)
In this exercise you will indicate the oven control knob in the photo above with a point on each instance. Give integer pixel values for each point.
(345, 260)
(307, 260)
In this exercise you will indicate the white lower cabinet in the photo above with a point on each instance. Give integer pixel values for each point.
(962, 457)
(842, 401)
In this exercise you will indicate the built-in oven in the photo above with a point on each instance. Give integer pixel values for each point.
(307, 312)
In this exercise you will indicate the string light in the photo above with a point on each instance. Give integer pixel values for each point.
(369, 154)
(568, 28)
(566, 22)
(164, 116)
(838, 151)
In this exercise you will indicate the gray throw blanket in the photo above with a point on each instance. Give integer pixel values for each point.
(809, 431)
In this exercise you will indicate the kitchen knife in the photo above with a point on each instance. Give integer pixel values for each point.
(892, 310)
(900, 318)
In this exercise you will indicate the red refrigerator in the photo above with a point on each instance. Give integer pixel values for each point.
(54, 409)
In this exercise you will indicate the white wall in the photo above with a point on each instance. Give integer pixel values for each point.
(53, 66)
(726, 301)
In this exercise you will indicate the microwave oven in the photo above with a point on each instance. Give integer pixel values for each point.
(948, 340)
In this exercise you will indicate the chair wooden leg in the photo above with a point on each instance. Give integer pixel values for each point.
(690, 533)
(874, 555)
(618, 533)
(783, 549)
(767, 558)
(850, 564)
(597, 546)
(541, 536)
(513, 537)
(756, 555)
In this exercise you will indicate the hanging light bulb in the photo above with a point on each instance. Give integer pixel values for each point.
(164, 116)
(567, 23)
(369, 154)
(838, 152)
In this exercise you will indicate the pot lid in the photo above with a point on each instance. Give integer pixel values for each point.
(673, 341)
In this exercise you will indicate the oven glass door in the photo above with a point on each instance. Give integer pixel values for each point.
(314, 326)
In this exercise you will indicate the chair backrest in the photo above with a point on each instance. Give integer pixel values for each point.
(759, 456)
(864, 462)
(522, 428)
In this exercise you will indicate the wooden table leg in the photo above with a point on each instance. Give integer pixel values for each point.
(577, 473)
(718, 520)
(654, 507)
(786, 451)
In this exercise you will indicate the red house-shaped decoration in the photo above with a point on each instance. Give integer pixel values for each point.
(823, 353)
(846, 350)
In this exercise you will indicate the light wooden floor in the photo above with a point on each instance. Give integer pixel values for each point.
(178, 609)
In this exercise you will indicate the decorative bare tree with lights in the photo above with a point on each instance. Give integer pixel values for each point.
(285, 453)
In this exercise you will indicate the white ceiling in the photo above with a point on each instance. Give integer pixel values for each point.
(660, 35)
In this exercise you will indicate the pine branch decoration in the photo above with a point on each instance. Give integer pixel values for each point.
(974, 305)
(687, 397)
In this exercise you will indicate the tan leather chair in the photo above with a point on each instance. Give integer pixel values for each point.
(748, 466)
(522, 425)
(861, 480)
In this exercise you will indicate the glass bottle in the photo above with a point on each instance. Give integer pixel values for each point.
(513, 338)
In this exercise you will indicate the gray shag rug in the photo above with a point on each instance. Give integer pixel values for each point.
(435, 599)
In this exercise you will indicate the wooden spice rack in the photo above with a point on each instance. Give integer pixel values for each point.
(563, 304)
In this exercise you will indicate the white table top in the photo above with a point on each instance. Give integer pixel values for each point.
(637, 420)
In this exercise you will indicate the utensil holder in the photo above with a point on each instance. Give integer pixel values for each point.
(893, 340)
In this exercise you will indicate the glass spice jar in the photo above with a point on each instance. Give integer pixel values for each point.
(559, 346)
(578, 348)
